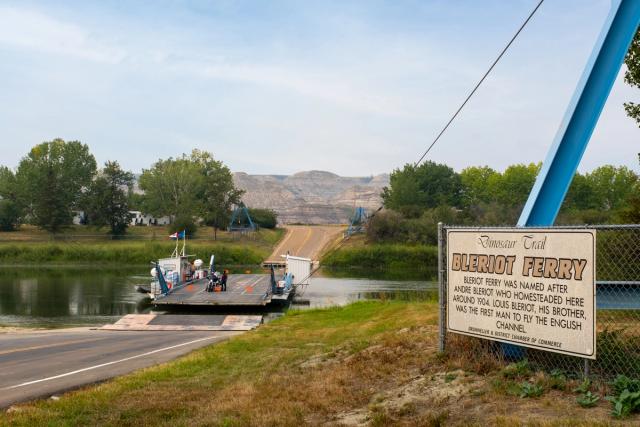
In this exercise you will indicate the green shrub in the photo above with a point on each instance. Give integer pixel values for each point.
(557, 380)
(264, 218)
(422, 228)
(614, 344)
(622, 382)
(517, 370)
(530, 390)
(588, 400)
(583, 387)
(625, 404)
(405, 262)
(384, 227)
(450, 377)
(184, 223)
(626, 398)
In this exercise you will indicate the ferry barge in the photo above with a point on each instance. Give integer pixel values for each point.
(179, 282)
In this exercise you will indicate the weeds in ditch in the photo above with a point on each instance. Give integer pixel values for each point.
(557, 380)
(528, 389)
(517, 370)
(626, 398)
(584, 386)
(588, 400)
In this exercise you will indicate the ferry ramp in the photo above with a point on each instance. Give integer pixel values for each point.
(306, 241)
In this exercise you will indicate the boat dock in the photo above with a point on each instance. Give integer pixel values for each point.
(242, 290)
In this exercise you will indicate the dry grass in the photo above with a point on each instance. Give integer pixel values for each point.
(366, 364)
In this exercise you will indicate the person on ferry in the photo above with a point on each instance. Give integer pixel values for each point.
(213, 279)
(223, 280)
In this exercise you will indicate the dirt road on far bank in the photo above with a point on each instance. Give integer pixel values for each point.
(308, 241)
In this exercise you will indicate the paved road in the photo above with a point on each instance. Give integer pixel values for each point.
(306, 241)
(40, 364)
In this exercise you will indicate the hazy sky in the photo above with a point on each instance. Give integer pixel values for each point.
(353, 87)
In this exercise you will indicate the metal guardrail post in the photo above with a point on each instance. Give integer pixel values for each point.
(441, 291)
(587, 368)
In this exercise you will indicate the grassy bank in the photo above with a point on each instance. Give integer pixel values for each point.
(246, 250)
(133, 253)
(30, 233)
(369, 363)
(391, 261)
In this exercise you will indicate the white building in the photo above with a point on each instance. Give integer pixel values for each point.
(139, 218)
(79, 218)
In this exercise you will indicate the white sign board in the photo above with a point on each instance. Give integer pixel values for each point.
(530, 287)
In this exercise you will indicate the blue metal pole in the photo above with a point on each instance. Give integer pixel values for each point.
(581, 116)
(579, 121)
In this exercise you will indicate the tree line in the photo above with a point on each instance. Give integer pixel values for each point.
(418, 197)
(57, 178)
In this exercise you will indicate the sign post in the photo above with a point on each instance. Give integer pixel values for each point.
(530, 287)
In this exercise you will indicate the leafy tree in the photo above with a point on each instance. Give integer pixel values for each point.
(631, 212)
(414, 189)
(9, 209)
(611, 186)
(136, 201)
(384, 226)
(515, 183)
(477, 184)
(190, 187)
(171, 188)
(580, 195)
(265, 218)
(107, 199)
(50, 181)
(218, 193)
(425, 229)
(7, 183)
(183, 223)
(9, 215)
(492, 213)
(632, 76)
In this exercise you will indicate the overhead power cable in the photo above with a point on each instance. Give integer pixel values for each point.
(524, 24)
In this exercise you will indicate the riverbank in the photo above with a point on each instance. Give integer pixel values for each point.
(369, 363)
(244, 250)
(357, 258)
(30, 233)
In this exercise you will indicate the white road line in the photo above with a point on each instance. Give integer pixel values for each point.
(105, 364)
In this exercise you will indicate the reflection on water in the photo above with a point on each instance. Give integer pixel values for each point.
(65, 296)
(416, 272)
(68, 296)
(325, 292)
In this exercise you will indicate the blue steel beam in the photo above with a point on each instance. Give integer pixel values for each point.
(581, 116)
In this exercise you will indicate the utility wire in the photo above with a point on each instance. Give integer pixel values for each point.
(495, 62)
(524, 24)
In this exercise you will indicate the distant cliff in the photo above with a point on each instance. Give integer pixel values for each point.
(314, 197)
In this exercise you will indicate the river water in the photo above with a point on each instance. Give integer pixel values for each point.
(71, 296)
